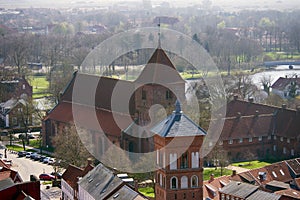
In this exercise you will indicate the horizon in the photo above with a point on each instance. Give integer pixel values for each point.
(227, 5)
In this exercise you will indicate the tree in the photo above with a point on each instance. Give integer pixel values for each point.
(219, 157)
(69, 148)
(266, 83)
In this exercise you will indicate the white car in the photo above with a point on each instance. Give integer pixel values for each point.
(51, 161)
(46, 160)
(28, 154)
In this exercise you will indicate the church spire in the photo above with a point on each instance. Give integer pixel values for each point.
(159, 34)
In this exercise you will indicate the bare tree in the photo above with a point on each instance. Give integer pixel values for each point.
(69, 148)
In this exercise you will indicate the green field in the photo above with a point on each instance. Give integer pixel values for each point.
(251, 164)
(147, 191)
(40, 86)
(217, 172)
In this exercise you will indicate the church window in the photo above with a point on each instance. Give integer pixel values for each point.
(194, 181)
(174, 183)
(184, 161)
(184, 182)
(168, 94)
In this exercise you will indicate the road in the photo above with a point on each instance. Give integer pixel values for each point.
(27, 167)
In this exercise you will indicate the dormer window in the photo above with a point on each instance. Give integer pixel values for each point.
(288, 140)
(250, 139)
(24, 86)
(230, 141)
(241, 140)
(260, 138)
(281, 139)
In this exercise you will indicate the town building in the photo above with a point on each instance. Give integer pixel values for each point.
(264, 131)
(286, 87)
(70, 178)
(101, 183)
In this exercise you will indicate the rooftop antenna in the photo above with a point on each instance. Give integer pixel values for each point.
(159, 43)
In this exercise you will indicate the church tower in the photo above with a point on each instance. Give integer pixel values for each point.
(179, 173)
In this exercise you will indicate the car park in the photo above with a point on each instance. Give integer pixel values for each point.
(51, 161)
(46, 177)
(32, 156)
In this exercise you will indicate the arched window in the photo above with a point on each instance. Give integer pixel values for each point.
(194, 181)
(184, 161)
(184, 182)
(174, 183)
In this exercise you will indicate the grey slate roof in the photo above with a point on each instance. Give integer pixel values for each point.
(6, 183)
(100, 182)
(239, 189)
(261, 195)
(177, 124)
(124, 193)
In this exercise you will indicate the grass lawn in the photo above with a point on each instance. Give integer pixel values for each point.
(147, 191)
(14, 148)
(252, 164)
(208, 171)
(40, 86)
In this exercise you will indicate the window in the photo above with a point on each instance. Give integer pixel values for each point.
(160, 180)
(260, 138)
(210, 144)
(174, 183)
(173, 161)
(175, 196)
(269, 137)
(24, 86)
(195, 159)
(168, 94)
(292, 152)
(275, 137)
(241, 140)
(274, 174)
(281, 139)
(274, 148)
(282, 173)
(194, 181)
(230, 141)
(288, 140)
(184, 196)
(284, 150)
(222, 196)
(250, 139)
(184, 161)
(144, 95)
(184, 182)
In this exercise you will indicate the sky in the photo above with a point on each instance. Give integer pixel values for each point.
(225, 4)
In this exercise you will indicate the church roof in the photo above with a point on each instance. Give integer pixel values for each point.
(159, 69)
(177, 124)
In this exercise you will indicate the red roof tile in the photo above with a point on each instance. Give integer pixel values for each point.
(289, 193)
(107, 120)
(281, 83)
(72, 174)
(210, 186)
(279, 172)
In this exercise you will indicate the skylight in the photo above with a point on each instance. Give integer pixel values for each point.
(274, 174)
(281, 172)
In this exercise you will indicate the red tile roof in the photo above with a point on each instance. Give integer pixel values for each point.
(105, 119)
(289, 193)
(294, 165)
(211, 188)
(281, 83)
(72, 174)
(279, 172)
(247, 126)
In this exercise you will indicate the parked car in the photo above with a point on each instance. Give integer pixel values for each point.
(28, 154)
(58, 175)
(22, 153)
(51, 161)
(42, 158)
(37, 157)
(32, 156)
(47, 177)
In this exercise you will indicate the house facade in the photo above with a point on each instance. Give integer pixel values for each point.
(262, 131)
(286, 87)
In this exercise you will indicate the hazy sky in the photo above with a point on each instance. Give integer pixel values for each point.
(225, 4)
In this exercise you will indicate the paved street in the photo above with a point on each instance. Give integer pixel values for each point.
(26, 167)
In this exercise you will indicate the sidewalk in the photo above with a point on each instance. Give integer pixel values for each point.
(36, 150)
(237, 169)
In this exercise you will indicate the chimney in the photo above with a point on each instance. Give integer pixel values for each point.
(136, 185)
(235, 97)
(233, 172)
(212, 178)
(251, 99)
(283, 106)
(90, 161)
